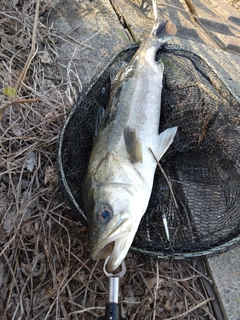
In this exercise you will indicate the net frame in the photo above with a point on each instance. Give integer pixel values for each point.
(165, 249)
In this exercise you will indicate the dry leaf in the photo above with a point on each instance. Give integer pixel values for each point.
(52, 115)
(17, 131)
(168, 305)
(36, 268)
(31, 161)
(45, 57)
(10, 92)
(9, 221)
(51, 176)
(180, 306)
(151, 282)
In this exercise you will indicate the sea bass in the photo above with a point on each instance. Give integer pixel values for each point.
(121, 169)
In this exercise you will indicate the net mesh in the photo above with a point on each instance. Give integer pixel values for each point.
(202, 164)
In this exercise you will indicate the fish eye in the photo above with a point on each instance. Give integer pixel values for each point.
(104, 214)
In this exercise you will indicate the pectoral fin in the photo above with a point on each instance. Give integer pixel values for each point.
(133, 145)
(164, 141)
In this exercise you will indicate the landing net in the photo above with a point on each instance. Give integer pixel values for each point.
(202, 164)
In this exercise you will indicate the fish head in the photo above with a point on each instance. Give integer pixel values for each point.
(113, 221)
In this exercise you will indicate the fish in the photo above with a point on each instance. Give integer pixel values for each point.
(119, 178)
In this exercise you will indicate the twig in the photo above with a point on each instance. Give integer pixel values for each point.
(87, 284)
(86, 310)
(155, 293)
(17, 101)
(27, 64)
(200, 273)
(191, 309)
(192, 8)
(146, 284)
(77, 258)
(155, 10)
(33, 47)
(13, 274)
(165, 176)
(195, 15)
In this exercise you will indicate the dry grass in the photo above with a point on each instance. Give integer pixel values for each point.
(45, 270)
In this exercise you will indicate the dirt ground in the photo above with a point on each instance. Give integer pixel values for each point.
(45, 270)
(235, 4)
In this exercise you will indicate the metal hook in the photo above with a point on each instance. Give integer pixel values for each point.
(119, 274)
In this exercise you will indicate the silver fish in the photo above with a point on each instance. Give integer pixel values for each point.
(121, 169)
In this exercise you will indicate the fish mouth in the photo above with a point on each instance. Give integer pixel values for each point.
(104, 252)
(117, 251)
(116, 245)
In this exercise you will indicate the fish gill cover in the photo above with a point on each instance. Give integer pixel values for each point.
(202, 165)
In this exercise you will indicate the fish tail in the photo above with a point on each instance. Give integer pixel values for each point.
(164, 31)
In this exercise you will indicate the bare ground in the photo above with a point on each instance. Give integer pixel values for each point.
(45, 270)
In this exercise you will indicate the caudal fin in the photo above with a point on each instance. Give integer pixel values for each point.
(164, 31)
